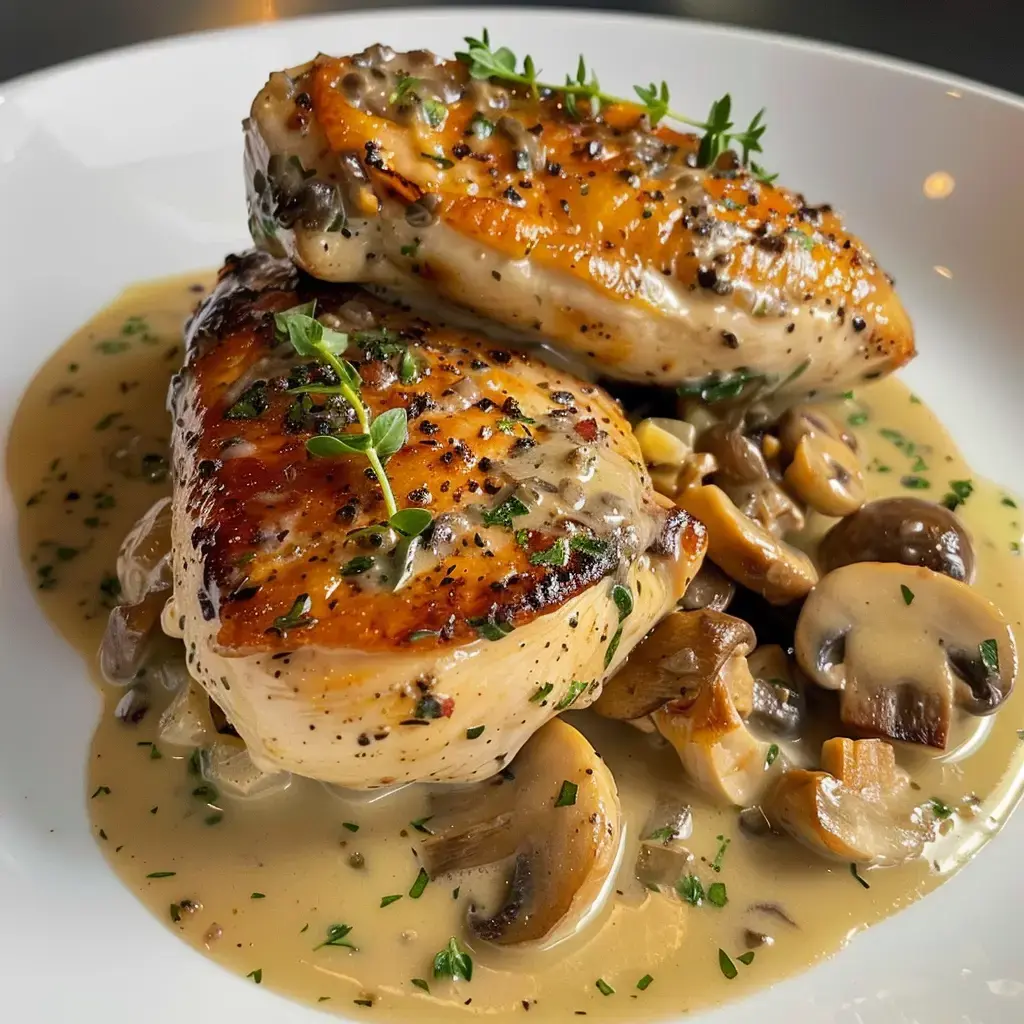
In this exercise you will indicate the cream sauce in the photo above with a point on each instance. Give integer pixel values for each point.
(257, 884)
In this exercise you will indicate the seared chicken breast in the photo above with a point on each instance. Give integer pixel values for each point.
(344, 649)
(597, 233)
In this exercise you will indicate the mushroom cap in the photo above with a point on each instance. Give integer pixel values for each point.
(746, 550)
(563, 854)
(710, 588)
(826, 474)
(858, 808)
(907, 530)
(903, 644)
(717, 750)
(681, 654)
(835, 820)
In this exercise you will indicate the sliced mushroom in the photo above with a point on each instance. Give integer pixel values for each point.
(227, 764)
(744, 475)
(717, 750)
(905, 530)
(747, 551)
(779, 706)
(855, 816)
(187, 721)
(664, 442)
(682, 653)
(827, 475)
(710, 588)
(559, 822)
(144, 574)
(823, 466)
(903, 644)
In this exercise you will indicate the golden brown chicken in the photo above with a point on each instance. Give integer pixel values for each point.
(596, 232)
(418, 616)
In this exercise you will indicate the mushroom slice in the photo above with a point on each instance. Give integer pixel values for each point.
(903, 644)
(746, 550)
(682, 653)
(778, 694)
(717, 750)
(710, 588)
(852, 816)
(558, 821)
(827, 475)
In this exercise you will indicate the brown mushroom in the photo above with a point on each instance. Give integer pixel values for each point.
(906, 530)
(710, 588)
(144, 575)
(744, 475)
(859, 810)
(747, 551)
(823, 466)
(558, 821)
(903, 644)
(717, 750)
(778, 696)
(682, 653)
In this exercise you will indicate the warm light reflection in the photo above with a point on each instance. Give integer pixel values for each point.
(954, 93)
(939, 185)
(268, 10)
(944, 272)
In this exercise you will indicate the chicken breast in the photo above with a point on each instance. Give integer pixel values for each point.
(341, 649)
(596, 233)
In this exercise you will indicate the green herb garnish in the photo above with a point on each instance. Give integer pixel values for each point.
(542, 692)
(771, 755)
(576, 687)
(350, 825)
(727, 966)
(420, 983)
(746, 958)
(477, 730)
(256, 975)
(251, 404)
(690, 890)
(644, 982)
(567, 794)
(989, 651)
(336, 936)
(386, 901)
(940, 808)
(717, 895)
(604, 988)
(557, 555)
(908, 594)
(485, 63)
(503, 515)
(453, 963)
(297, 617)
(420, 884)
(378, 438)
(356, 566)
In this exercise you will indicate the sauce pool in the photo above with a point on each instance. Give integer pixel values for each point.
(257, 885)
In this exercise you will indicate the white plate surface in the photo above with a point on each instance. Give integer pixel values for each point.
(128, 166)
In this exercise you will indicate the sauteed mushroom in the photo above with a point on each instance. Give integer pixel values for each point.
(906, 530)
(710, 588)
(855, 810)
(685, 651)
(716, 748)
(902, 644)
(778, 705)
(559, 821)
(824, 469)
(747, 551)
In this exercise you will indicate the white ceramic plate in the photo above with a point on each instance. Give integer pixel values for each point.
(129, 166)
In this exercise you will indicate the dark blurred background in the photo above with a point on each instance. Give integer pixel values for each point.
(977, 38)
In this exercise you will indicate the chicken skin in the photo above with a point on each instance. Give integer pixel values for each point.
(598, 234)
(345, 649)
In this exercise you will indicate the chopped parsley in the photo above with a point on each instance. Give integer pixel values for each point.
(474, 732)
(644, 982)
(989, 651)
(728, 968)
(556, 555)
(576, 687)
(420, 884)
(503, 515)
(420, 983)
(100, 790)
(386, 901)
(489, 629)
(771, 755)
(717, 895)
(542, 692)
(453, 962)
(356, 566)
(336, 936)
(350, 825)
(746, 958)
(297, 616)
(690, 890)
(908, 594)
(256, 975)
(604, 988)
(567, 794)
(940, 808)
(959, 492)
(251, 404)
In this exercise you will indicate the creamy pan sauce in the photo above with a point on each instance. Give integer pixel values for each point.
(257, 885)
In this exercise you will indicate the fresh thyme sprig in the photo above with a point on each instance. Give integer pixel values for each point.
(718, 128)
(379, 437)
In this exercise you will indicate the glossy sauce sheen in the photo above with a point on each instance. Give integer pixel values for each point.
(269, 877)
